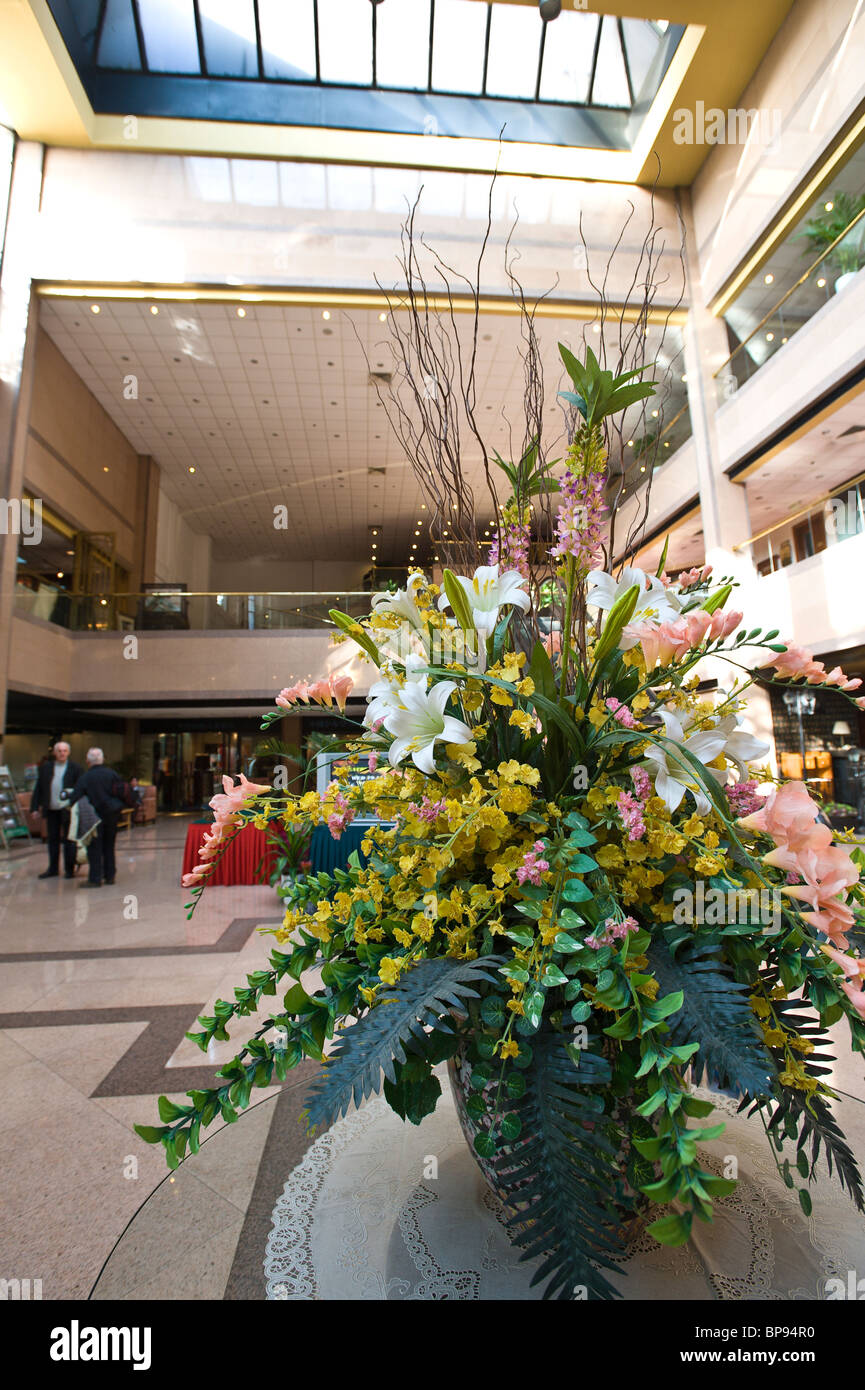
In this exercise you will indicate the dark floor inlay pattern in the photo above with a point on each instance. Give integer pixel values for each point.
(232, 939)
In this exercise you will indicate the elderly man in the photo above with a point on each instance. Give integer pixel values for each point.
(54, 783)
(99, 784)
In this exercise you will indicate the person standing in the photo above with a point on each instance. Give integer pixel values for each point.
(100, 785)
(56, 776)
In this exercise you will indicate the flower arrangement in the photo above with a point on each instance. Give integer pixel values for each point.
(573, 893)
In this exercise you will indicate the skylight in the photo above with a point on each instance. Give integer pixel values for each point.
(459, 66)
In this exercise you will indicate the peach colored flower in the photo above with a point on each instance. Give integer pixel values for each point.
(292, 694)
(855, 971)
(321, 692)
(788, 816)
(341, 687)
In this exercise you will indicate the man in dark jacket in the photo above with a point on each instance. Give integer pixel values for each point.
(55, 780)
(99, 785)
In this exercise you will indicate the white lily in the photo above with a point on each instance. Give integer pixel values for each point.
(673, 775)
(654, 602)
(488, 592)
(386, 695)
(740, 746)
(402, 604)
(421, 723)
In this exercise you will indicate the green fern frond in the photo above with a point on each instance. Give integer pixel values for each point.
(425, 995)
(715, 1013)
(559, 1180)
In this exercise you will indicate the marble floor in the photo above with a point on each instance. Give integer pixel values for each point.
(97, 990)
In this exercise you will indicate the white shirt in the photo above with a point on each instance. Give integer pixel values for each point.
(57, 786)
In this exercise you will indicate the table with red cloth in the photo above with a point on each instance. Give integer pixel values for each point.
(238, 862)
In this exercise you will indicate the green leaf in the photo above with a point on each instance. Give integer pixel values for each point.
(485, 1143)
(805, 1201)
(168, 1111)
(426, 995)
(511, 1127)
(151, 1134)
(575, 891)
(493, 1010)
(674, 1229)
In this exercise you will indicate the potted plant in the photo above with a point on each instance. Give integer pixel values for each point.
(822, 231)
(532, 907)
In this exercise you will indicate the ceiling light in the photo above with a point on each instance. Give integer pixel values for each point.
(94, 308)
(828, 207)
(685, 377)
(325, 314)
(382, 317)
(153, 309)
(241, 313)
(59, 574)
(70, 552)
(417, 533)
(821, 282)
(642, 468)
(783, 340)
(191, 468)
(374, 546)
(104, 468)
(768, 279)
(770, 337)
(630, 443)
(654, 414)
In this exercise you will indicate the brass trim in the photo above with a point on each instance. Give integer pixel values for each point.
(792, 290)
(842, 146)
(336, 298)
(803, 511)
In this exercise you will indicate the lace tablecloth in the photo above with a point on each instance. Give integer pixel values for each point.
(379, 1209)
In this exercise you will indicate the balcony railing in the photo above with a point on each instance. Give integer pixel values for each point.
(827, 521)
(827, 275)
(194, 612)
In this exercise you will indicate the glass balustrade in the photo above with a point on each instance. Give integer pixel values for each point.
(193, 612)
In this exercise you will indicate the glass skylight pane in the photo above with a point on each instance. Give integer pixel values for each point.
(287, 38)
(458, 46)
(169, 35)
(402, 43)
(568, 53)
(642, 42)
(345, 41)
(228, 27)
(611, 82)
(515, 45)
(118, 46)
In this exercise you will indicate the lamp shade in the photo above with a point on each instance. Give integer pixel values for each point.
(841, 727)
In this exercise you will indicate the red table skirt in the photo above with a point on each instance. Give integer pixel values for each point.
(238, 863)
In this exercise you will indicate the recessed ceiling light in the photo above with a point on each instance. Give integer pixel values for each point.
(382, 317)
(191, 468)
(654, 414)
(325, 314)
(59, 574)
(770, 337)
(768, 279)
(104, 468)
(828, 207)
(154, 309)
(94, 308)
(821, 282)
(630, 443)
(241, 313)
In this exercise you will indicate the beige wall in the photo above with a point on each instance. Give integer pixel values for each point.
(47, 660)
(812, 77)
(301, 576)
(182, 555)
(71, 442)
